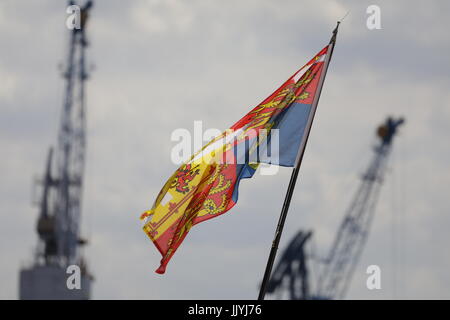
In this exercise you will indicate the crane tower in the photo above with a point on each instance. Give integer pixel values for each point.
(58, 224)
(291, 273)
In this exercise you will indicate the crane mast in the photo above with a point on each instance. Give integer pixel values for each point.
(335, 276)
(291, 273)
(71, 148)
(58, 223)
(353, 231)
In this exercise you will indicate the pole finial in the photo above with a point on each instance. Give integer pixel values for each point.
(335, 31)
(333, 38)
(337, 27)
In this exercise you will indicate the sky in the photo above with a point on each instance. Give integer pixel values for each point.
(157, 66)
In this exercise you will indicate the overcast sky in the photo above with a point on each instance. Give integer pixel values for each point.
(161, 65)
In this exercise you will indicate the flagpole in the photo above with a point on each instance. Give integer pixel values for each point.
(295, 171)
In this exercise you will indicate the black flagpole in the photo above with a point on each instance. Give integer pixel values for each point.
(295, 171)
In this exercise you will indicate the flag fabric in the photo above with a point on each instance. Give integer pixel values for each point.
(206, 185)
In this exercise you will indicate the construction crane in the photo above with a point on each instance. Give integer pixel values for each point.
(58, 224)
(291, 273)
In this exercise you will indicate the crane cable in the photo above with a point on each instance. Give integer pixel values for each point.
(402, 213)
(394, 216)
(398, 210)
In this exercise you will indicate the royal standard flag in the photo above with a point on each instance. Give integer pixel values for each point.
(206, 186)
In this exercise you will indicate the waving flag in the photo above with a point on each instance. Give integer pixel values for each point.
(206, 186)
